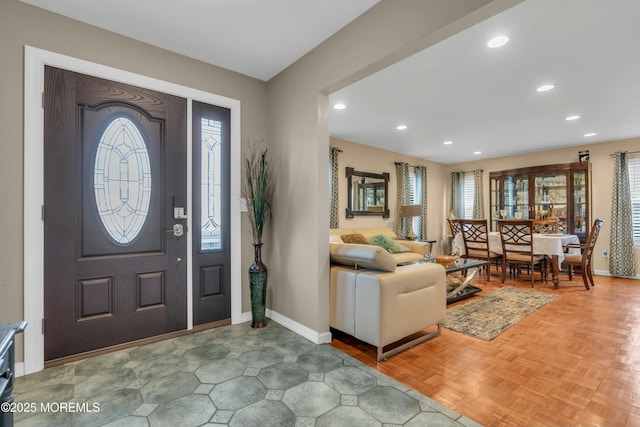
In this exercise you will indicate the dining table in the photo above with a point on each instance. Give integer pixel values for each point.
(551, 245)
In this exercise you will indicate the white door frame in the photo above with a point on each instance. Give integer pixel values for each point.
(34, 62)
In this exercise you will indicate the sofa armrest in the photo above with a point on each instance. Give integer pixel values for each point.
(422, 248)
(362, 256)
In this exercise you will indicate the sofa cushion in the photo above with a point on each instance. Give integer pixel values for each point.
(362, 256)
(387, 243)
(354, 238)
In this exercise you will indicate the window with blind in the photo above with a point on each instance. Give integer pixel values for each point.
(634, 181)
(468, 195)
(414, 198)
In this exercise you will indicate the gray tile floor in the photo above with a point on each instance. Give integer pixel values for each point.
(233, 375)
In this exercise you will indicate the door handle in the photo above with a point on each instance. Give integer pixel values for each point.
(177, 230)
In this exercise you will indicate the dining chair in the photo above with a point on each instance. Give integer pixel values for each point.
(476, 242)
(545, 226)
(516, 237)
(583, 259)
(455, 227)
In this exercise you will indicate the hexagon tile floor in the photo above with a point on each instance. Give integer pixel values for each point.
(233, 375)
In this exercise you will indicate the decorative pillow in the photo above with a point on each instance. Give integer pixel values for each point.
(354, 238)
(387, 243)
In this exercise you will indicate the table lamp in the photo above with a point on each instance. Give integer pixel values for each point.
(410, 211)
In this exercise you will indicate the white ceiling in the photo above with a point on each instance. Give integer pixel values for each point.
(258, 38)
(485, 99)
(459, 90)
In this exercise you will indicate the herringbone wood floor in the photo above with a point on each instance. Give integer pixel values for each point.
(574, 362)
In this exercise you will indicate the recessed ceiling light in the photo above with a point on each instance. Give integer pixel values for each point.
(574, 117)
(498, 41)
(401, 127)
(339, 106)
(477, 152)
(448, 142)
(545, 88)
(590, 134)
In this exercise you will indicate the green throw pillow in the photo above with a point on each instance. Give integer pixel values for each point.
(387, 243)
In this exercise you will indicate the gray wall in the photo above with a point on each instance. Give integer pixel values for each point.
(299, 134)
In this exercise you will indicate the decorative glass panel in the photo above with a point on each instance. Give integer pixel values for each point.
(210, 185)
(122, 180)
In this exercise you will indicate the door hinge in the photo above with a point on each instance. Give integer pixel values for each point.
(43, 325)
(43, 100)
(43, 213)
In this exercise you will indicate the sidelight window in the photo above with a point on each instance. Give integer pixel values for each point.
(211, 185)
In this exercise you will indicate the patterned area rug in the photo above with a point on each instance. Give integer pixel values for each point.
(487, 316)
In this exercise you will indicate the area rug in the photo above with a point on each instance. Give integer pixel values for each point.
(487, 316)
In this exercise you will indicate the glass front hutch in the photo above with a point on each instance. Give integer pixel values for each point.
(544, 192)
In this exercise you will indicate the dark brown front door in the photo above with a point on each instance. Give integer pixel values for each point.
(115, 168)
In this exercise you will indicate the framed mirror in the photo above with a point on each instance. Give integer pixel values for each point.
(367, 193)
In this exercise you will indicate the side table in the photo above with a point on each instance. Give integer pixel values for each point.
(428, 257)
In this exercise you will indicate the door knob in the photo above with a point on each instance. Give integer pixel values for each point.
(177, 230)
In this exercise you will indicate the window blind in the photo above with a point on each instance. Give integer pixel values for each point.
(468, 195)
(414, 198)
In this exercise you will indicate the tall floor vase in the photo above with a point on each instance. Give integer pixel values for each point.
(258, 284)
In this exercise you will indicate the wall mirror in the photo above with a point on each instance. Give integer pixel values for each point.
(367, 193)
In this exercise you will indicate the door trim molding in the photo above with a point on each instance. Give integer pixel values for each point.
(35, 60)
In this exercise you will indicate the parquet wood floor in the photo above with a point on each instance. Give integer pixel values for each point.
(574, 362)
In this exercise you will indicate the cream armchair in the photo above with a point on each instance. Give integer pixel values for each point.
(379, 302)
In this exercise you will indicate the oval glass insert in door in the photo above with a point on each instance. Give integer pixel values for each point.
(122, 180)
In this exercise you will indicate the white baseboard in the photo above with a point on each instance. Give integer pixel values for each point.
(19, 369)
(606, 273)
(313, 336)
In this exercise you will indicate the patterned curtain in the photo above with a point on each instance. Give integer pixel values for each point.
(333, 187)
(456, 207)
(622, 258)
(478, 195)
(421, 190)
(402, 196)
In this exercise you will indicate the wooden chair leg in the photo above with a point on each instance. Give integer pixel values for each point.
(585, 278)
(532, 273)
(590, 276)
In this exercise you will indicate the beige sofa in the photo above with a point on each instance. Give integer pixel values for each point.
(380, 302)
(418, 249)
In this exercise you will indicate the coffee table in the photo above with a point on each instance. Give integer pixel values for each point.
(465, 289)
